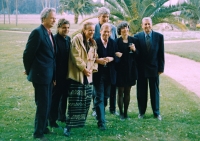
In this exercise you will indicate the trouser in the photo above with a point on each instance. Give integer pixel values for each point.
(43, 95)
(102, 90)
(142, 94)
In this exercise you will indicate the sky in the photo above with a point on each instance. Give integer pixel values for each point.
(173, 2)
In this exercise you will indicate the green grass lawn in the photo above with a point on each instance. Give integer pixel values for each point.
(179, 108)
(190, 50)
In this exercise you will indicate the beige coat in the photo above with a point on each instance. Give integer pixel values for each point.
(79, 59)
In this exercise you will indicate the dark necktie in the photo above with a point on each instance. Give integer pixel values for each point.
(148, 42)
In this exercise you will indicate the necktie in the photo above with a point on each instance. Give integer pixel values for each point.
(148, 42)
(49, 32)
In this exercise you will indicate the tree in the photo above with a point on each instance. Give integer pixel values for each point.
(78, 7)
(133, 11)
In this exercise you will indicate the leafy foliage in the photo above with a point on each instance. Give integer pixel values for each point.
(78, 7)
(133, 11)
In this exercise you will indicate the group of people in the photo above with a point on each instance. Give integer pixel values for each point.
(95, 64)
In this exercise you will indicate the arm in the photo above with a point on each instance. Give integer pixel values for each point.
(161, 55)
(30, 50)
(75, 52)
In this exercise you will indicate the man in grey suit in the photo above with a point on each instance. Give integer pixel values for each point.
(150, 65)
(39, 64)
(103, 17)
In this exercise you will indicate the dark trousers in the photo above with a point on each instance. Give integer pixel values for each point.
(43, 94)
(113, 98)
(102, 91)
(59, 102)
(142, 94)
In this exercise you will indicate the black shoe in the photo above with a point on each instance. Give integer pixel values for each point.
(46, 131)
(114, 113)
(41, 138)
(66, 132)
(140, 116)
(53, 125)
(102, 127)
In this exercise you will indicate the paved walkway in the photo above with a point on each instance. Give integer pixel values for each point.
(184, 71)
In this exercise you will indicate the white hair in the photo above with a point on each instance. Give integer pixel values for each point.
(102, 11)
(45, 13)
(105, 25)
(147, 18)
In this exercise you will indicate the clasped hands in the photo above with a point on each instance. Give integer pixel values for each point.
(105, 60)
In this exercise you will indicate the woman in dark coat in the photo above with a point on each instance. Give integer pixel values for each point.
(126, 67)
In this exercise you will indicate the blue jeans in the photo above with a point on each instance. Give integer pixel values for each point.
(102, 91)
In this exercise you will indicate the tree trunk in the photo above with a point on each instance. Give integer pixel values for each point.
(8, 8)
(16, 13)
(4, 15)
(76, 15)
(42, 1)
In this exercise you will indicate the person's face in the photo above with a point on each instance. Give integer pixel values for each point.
(103, 18)
(50, 20)
(147, 26)
(63, 30)
(124, 31)
(89, 32)
(105, 33)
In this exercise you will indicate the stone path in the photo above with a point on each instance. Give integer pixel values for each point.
(184, 71)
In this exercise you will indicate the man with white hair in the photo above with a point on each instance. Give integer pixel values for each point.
(106, 75)
(103, 17)
(150, 62)
(39, 63)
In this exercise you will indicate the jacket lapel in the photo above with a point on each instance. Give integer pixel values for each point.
(47, 39)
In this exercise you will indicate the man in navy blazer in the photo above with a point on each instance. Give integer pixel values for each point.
(150, 65)
(106, 75)
(103, 17)
(39, 64)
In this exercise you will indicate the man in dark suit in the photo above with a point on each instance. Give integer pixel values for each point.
(103, 17)
(150, 66)
(39, 64)
(106, 75)
(60, 91)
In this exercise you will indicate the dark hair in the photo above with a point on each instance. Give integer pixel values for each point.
(85, 26)
(62, 21)
(120, 26)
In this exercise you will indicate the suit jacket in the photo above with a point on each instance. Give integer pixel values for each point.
(39, 57)
(111, 49)
(97, 32)
(79, 59)
(62, 57)
(150, 62)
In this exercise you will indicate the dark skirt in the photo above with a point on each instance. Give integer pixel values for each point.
(78, 104)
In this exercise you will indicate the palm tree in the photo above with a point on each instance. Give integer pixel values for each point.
(133, 11)
(78, 7)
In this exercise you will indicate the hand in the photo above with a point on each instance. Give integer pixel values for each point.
(102, 61)
(118, 54)
(160, 73)
(25, 73)
(132, 47)
(54, 83)
(87, 72)
(109, 59)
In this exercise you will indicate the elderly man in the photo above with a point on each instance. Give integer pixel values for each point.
(150, 65)
(106, 75)
(39, 64)
(103, 17)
